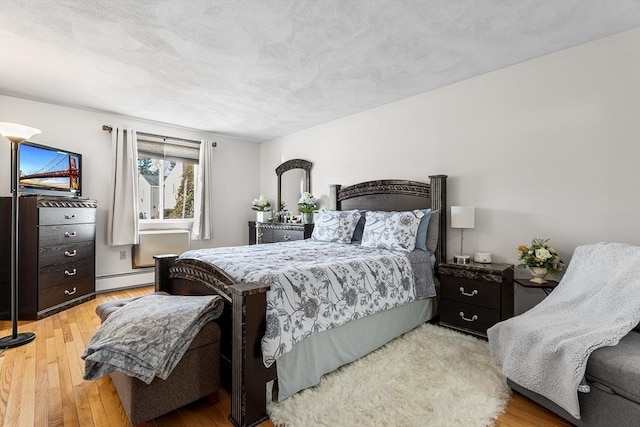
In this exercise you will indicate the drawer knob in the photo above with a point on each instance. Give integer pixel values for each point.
(69, 216)
(68, 292)
(286, 237)
(71, 273)
(473, 293)
(67, 234)
(466, 319)
(74, 253)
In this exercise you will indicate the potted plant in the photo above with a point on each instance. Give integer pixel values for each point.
(262, 206)
(307, 205)
(540, 258)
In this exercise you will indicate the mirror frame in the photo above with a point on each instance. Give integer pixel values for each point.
(289, 165)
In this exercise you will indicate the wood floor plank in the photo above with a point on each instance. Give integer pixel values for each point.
(54, 397)
(12, 414)
(46, 376)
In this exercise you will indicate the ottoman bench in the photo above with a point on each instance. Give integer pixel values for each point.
(197, 375)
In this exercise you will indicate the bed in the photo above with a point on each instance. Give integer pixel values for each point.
(308, 359)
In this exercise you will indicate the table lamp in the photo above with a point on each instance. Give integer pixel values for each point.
(462, 217)
(16, 134)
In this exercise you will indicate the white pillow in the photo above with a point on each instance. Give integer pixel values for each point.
(392, 230)
(335, 226)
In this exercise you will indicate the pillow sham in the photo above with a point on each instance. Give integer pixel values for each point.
(432, 231)
(421, 238)
(391, 230)
(335, 226)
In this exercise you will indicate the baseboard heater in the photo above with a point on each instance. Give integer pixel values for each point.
(157, 242)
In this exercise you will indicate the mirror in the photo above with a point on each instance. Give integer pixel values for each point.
(294, 178)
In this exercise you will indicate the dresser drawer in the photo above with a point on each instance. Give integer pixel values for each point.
(65, 254)
(468, 291)
(48, 297)
(55, 216)
(468, 316)
(287, 235)
(62, 234)
(61, 274)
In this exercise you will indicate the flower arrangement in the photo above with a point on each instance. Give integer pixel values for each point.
(307, 203)
(540, 254)
(261, 204)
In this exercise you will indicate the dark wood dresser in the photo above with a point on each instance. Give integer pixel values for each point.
(272, 232)
(56, 254)
(474, 297)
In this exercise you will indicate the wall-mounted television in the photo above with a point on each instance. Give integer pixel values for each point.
(49, 171)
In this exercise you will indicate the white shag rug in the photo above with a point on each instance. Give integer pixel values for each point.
(430, 376)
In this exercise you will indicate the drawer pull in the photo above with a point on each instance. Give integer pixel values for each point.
(69, 216)
(286, 237)
(74, 253)
(67, 292)
(71, 273)
(67, 234)
(473, 293)
(473, 319)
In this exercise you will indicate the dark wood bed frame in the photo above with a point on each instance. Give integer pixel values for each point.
(245, 310)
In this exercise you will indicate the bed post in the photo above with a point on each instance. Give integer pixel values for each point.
(163, 262)
(439, 202)
(248, 373)
(334, 204)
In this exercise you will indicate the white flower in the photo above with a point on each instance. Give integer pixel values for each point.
(307, 199)
(543, 253)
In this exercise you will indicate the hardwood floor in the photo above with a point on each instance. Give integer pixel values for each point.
(41, 383)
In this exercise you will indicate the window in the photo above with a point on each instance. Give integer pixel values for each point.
(166, 178)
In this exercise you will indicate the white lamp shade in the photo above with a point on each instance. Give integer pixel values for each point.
(463, 217)
(17, 133)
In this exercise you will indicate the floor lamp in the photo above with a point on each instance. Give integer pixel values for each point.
(16, 134)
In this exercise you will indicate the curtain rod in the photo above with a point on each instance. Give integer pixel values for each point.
(152, 135)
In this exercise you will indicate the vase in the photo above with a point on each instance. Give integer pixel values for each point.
(307, 217)
(263, 216)
(538, 274)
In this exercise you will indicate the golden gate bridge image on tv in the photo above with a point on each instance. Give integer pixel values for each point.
(60, 172)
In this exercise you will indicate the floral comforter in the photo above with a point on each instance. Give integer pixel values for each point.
(316, 286)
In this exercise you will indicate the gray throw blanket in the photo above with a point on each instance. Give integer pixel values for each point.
(596, 304)
(148, 336)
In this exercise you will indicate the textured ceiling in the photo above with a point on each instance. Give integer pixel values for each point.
(262, 69)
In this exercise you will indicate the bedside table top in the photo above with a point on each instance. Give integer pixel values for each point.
(494, 272)
(476, 266)
(529, 284)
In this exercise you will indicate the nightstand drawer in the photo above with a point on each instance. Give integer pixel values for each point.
(468, 291)
(468, 316)
(287, 235)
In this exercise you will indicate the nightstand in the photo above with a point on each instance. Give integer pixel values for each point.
(474, 297)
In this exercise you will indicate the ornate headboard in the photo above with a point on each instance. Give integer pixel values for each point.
(397, 195)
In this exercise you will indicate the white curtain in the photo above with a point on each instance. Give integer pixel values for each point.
(122, 227)
(203, 203)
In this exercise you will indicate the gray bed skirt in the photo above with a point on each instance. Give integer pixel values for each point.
(324, 352)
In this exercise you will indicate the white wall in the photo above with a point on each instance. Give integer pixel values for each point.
(236, 169)
(547, 148)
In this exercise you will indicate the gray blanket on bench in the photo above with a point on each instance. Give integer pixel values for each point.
(148, 336)
(596, 303)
